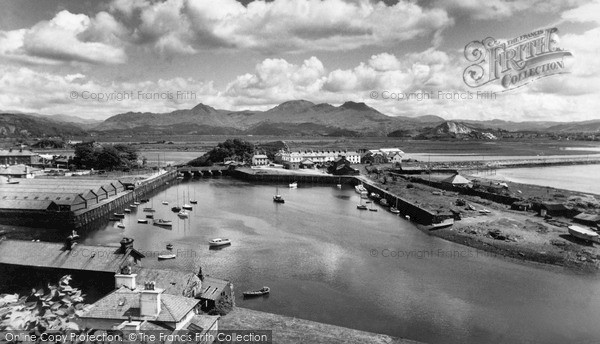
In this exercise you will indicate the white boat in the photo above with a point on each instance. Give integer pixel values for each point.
(394, 210)
(127, 210)
(293, 185)
(142, 220)
(183, 214)
(360, 189)
(186, 207)
(133, 206)
(121, 225)
(136, 203)
(166, 256)
(443, 224)
(277, 198)
(219, 242)
(163, 223)
(584, 233)
(119, 215)
(259, 292)
(165, 202)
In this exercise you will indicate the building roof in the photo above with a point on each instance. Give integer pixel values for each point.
(16, 152)
(68, 198)
(212, 288)
(259, 156)
(27, 204)
(588, 217)
(554, 206)
(55, 255)
(307, 162)
(124, 303)
(456, 179)
(17, 170)
(174, 282)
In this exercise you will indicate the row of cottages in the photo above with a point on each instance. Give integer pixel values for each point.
(383, 156)
(73, 196)
(167, 300)
(317, 157)
(18, 156)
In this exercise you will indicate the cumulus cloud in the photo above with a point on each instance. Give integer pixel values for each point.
(186, 26)
(67, 37)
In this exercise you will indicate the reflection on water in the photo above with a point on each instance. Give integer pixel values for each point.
(325, 260)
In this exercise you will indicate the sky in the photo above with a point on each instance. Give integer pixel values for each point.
(96, 59)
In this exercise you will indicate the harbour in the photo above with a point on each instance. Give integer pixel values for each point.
(314, 252)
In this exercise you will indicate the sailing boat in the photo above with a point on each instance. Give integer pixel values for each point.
(176, 208)
(339, 184)
(151, 208)
(394, 209)
(186, 206)
(192, 201)
(361, 206)
(277, 197)
(372, 208)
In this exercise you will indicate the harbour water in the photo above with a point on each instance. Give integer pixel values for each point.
(583, 178)
(327, 261)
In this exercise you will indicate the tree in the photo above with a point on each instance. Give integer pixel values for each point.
(52, 309)
(235, 149)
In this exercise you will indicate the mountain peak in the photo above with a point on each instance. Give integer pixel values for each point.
(294, 105)
(203, 108)
(356, 106)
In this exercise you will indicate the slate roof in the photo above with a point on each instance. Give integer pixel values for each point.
(54, 255)
(174, 282)
(124, 303)
(212, 288)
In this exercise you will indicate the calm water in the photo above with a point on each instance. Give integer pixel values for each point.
(584, 178)
(316, 253)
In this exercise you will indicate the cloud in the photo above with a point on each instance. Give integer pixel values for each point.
(501, 9)
(185, 26)
(67, 37)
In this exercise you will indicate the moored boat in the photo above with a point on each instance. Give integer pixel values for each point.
(165, 202)
(383, 202)
(394, 210)
(169, 247)
(584, 233)
(445, 223)
(176, 209)
(142, 220)
(293, 185)
(127, 210)
(149, 216)
(183, 214)
(259, 292)
(149, 210)
(119, 215)
(219, 242)
(163, 223)
(360, 189)
(166, 256)
(186, 207)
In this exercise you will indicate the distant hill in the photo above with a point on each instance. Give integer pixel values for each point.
(459, 130)
(576, 127)
(296, 117)
(22, 125)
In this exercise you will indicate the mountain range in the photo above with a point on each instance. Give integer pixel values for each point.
(297, 117)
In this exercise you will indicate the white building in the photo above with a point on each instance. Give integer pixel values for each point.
(260, 159)
(319, 157)
(392, 154)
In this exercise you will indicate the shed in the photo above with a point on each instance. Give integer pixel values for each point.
(554, 209)
(457, 180)
(587, 219)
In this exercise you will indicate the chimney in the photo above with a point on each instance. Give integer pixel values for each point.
(125, 278)
(129, 326)
(150, 300)
(126, 243)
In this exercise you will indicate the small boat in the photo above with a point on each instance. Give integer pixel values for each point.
(176, 209)
(193, 201)
(372, 208)
(149, 210)
(219, 242)
(260, 292)
(119, 215)
(394, 210)
(443, 224)
(149, 216)
(163, 223)
(186, 207)
(136, 203)
(121, 225)
(165, 202)
(127, 210)
(114, 219)
(145, 200)
(360, 189)
(277, 198)
(132, 206)
(142, 220)
(383, 202)
(584, 233)
(375, 196)
(361, 207)
(293, 185)
(183, 214)
(339, 186)
(484, 211)
(169, 247)
(166, 256)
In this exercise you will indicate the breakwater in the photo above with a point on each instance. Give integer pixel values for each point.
(292, 177)
(101, 211)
